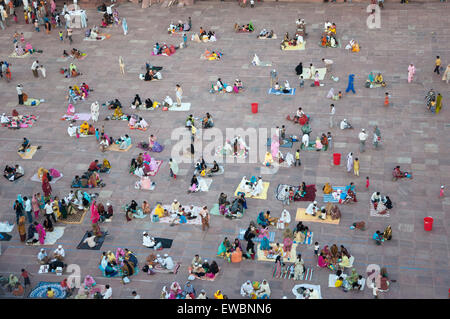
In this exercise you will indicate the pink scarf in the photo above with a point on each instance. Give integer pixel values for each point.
(41, 232)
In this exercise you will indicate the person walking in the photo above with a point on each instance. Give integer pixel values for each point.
(26, 278)
(350, 86)
(49, 211)
(376, 136)
(362, 140)
(437, 64)
(69, 34)
(21, 229)
(179, 94)
(173, 168)
(411, 72)
(356, 166)
(330, 141)
(34, 68)
(19, 89)
(273, 77)
(332, 112)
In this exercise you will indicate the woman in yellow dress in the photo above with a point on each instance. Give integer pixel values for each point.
(159, 211)
(84, 128)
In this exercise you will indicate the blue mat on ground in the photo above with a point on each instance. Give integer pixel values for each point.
(329, 198)
(5, 237)
(256, 239)
(40, 291)
(272, 91)
(287, 143)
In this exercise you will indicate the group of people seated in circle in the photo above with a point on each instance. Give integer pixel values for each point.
(244, 28)
(266, 34)
(334, 258)
(201, 268)
(329, 38)
(164, 263)
(202, 169)
(13, 173)
(380, 203)
(287, 41)
(143, 165)
(285, 88)
(253, 186)
(231, 252)
(163, 49)
(124, 262)
(93, 33)
(221, 87)
(137, 122)
(397, 173)
(75, 53)
(179, 27)
(204, 36)
(71, 72)
(78, 93)
(234, 209)
(373, 80)
(211, 55)
(353, 45)
(91, 178)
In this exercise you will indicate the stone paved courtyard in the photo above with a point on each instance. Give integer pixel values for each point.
(412, 137)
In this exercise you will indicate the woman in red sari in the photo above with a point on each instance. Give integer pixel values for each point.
(46, 187)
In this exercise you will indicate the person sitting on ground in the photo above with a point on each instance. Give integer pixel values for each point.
(345, 125)
(378, 237)
(207, 121)
(24, 146)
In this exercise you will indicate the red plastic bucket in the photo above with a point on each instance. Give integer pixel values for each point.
(337, 159)
(428, 223)
(254, 107)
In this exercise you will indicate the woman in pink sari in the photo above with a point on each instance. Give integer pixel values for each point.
(52, 6)
(94, 213)
(71, 109)
(41, 231)
(411, 72)
(89, 282)
(321, 262)
(275, 146)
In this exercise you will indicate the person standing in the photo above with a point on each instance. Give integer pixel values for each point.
(18, 208)
(69, 35)
(95, 111)
(179, 94)
(204, 214)
(446, 76)
(34, 68)
(43, 71)
(28, 208)
(297, 158)
(332, 112)
(356, 166)
(26, 278)
(376, 136)
(437, 64)
(411, 72)
(362, 140)
(124, 26)
(83, 18)
(49, 211)
(21, 229)
(330, 139)
(173, 168)
(19, 89)
(67, 19)
(184, 39)
(273, 77)
(349, 162)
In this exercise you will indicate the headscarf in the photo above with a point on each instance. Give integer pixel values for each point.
(21, 226)
(94, 213)
(218, 295)
(46, 188)
(106, 163)
(189, 289)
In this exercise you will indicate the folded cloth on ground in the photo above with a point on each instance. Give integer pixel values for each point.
(273, 91)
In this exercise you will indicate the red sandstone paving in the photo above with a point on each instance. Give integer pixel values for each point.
(412, 137)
